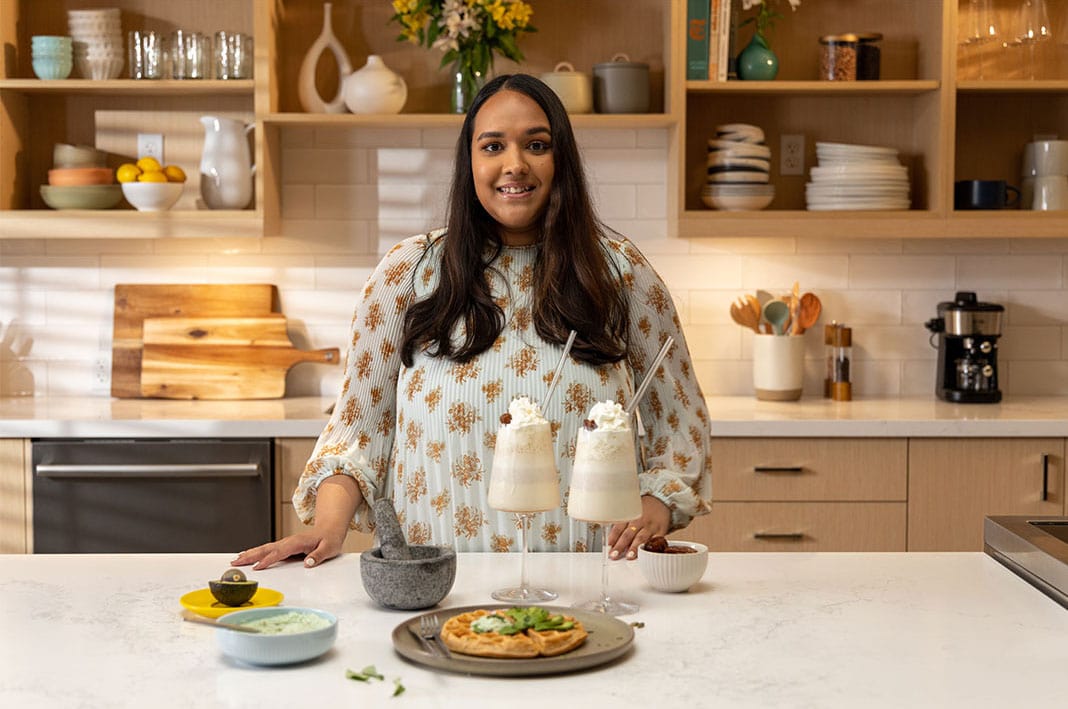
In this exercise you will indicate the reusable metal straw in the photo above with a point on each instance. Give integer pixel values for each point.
(640, 391)
(559, 369)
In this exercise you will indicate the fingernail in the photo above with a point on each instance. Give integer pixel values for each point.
(631, 554)
(308, 561)
(614, 554)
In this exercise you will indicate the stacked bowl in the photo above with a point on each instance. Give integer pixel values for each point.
(97, 34)
(52, 56)
(739, 169)
(857, 177)
(80, 180)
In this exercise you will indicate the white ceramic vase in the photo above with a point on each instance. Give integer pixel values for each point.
(225, 165)
(375, 88)
(310, 99)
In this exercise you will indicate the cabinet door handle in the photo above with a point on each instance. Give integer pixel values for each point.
(1045, 476)
(789, 469)
(780, 536)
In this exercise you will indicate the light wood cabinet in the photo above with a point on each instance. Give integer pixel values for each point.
(954, 483)
(795, 494)
(290, 456)
(15, 499)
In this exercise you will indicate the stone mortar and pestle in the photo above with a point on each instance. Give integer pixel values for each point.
(402, 576)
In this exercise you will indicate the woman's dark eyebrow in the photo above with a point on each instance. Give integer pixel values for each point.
(498, 134)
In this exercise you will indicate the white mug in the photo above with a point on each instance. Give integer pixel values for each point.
(1051, 193)
(1045, 157)
(778, 367)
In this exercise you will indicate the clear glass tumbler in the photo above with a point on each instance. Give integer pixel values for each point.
(232, 56)
(191, 55)
(146, 54)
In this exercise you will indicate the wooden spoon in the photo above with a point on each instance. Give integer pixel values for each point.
(186, 615)
(809, 312)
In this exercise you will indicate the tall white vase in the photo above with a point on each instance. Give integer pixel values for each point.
(310, 99)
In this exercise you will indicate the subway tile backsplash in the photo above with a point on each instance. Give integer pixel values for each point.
(347, 196)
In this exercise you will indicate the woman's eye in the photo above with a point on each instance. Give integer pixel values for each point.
(492, 147)
(539, 146)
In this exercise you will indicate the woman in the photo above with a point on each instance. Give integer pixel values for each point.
(455, 324)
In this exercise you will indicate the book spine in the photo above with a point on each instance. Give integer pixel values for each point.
(729, 39)
(697, 40)
(714, 24)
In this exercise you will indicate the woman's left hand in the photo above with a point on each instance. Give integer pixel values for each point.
(626, 537)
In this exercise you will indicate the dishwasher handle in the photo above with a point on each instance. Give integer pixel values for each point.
(198, 470)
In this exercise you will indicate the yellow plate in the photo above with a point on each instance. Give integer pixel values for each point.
(203, 603)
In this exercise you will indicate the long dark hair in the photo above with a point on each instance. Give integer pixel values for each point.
(576, 286)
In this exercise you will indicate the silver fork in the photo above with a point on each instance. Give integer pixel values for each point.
(430, 629)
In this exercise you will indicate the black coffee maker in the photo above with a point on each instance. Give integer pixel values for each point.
(968, 333)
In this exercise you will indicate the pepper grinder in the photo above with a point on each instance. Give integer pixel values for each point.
(842, 356)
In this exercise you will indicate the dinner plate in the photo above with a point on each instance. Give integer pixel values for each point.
(608, 639)
(203, 603)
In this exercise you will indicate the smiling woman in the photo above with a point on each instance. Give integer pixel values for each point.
(456, 324)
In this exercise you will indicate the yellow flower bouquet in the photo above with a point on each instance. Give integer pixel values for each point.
(468, 32)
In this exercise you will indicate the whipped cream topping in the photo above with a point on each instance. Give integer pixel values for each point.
(609, 416)
(524, 412)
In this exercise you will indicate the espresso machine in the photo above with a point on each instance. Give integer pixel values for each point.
(967, 332)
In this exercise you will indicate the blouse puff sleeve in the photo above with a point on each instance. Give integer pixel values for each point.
(358, 438)
(672, 411)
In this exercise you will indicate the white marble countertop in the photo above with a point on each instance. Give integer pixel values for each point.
(783, 630)
(105, 417)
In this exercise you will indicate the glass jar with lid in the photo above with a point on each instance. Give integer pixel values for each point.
(838, 57)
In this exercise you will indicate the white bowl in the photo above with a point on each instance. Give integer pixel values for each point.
(152, 196)
(264, 649)
(673, 573)
(737, 202)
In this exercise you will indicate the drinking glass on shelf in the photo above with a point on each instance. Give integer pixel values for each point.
(232, 55)
(978, 28)
(1032, 29)
(146, 54)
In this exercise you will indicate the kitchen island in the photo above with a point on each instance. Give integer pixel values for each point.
(760, 630)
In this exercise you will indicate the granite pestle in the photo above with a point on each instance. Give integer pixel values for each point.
(390, 535)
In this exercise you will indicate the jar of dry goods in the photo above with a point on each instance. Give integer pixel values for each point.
(838, 57)
(868, 56)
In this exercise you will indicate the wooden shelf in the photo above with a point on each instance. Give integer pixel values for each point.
(804, 224)
(813, 88)
(1012, 87)
(128, 87)
(129, 224)
(448, 120)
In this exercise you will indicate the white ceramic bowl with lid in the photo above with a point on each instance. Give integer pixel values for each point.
(574, 88)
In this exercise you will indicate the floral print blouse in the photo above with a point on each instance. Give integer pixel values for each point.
(424, 435)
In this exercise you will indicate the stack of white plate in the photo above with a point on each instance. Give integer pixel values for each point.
(857, 177)
(97, 35)
(739, 167)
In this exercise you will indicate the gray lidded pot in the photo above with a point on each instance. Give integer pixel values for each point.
(409, 584)
(621, 86)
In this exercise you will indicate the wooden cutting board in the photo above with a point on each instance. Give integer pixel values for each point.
(134, 303)
(220, 358)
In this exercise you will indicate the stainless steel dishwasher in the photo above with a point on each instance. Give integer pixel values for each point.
(151, 495)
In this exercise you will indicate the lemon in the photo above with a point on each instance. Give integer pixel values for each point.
(152, 176)
(149, 165)
(174, 173)
(127, 172)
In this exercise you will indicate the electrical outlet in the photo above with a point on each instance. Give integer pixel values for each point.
(150, 145)
(102, 374)
(792, 155)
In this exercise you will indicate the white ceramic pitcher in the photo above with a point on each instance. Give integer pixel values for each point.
(226, 167)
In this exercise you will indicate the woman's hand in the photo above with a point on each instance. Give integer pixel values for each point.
(317, 547)
(336, 501)
(626, 537)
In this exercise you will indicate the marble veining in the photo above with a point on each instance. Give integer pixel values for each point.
(759, 630)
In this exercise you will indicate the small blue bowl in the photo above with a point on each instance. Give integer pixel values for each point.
(52, 68)
(288, 649)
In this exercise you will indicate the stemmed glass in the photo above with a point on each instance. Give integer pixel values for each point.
(977, 29)
(1033, 28)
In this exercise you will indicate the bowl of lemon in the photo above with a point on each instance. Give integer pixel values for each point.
(150, 186)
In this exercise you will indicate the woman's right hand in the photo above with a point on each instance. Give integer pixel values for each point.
(316, 545)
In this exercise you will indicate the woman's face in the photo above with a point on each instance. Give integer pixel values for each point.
(512, 164)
